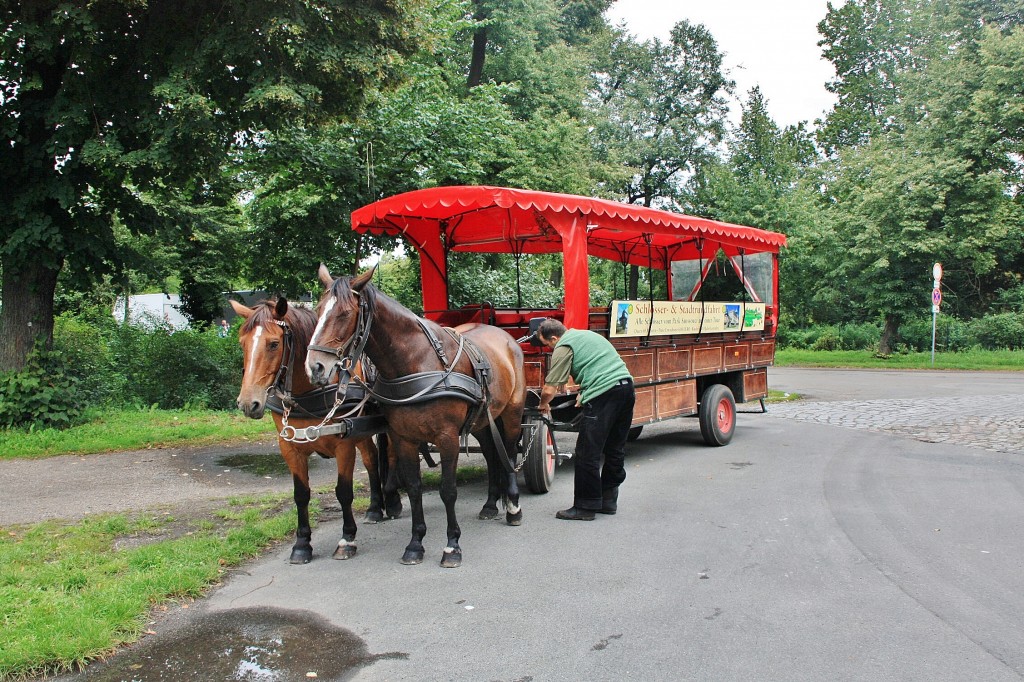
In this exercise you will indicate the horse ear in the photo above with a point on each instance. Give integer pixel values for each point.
(325, 276)
(240, 309)
(281, 308)
(362, 280)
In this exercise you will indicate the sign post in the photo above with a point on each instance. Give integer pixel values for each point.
(936, 301)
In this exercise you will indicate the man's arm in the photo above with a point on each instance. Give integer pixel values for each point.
(558, 375)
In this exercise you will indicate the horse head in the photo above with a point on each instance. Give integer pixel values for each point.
(337, 325)
(272, 335)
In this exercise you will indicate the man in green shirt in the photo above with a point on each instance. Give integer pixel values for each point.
(607, 397)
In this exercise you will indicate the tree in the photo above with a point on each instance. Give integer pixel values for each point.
(135, 111)
(518, 127)
(769, 180)
(658, 111)
(931, 175)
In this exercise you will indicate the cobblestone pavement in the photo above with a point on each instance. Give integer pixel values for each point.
(992, 422)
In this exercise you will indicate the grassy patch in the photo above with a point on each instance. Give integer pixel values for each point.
(1005, 361)
(115, 430)
(71, 593)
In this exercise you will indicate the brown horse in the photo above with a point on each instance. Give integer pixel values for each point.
(433, 385)
(274, 338)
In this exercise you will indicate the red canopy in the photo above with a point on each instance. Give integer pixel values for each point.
(503, 220)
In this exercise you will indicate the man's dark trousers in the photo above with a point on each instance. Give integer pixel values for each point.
(605, 426)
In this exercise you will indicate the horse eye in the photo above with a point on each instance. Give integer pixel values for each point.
(274, 345)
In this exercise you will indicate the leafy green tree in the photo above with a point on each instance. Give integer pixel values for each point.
(932, 174)
(430, 131)
(769, 180)
(658, 111)
(136, 111)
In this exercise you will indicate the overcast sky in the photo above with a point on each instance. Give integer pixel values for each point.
(771, 43)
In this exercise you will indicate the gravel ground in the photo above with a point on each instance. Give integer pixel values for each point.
(176, 480)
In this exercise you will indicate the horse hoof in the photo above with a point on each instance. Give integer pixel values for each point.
(451, 558)
(411, 558)
(372, 517)
(514, 519)
(395, 513)
(344, 552)
(488, 513)
(301, 556)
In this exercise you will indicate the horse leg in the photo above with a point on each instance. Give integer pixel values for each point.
(387, 474)
(494, 476)
(408, 461)
(452, 556)
(375, 512)
(345, 453)
(513, 512)
(298, 464)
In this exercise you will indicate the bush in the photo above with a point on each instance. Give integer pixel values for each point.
(186, 368)
(999, 331)
(862, 336)
(86, 348)
(828, 339)
(43, 394)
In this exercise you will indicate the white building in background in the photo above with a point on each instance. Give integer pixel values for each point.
(151, 310)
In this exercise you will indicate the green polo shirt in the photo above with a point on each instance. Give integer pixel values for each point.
(590, 359)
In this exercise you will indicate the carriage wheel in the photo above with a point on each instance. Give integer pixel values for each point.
(540, 460)
(717, 415)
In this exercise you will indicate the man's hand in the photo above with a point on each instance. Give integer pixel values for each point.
(546, 394)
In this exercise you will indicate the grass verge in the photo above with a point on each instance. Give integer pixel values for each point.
(975, 360)
(112, 430)
(72, 593)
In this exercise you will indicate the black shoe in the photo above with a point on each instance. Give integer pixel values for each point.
(574, 514)
(609, 501)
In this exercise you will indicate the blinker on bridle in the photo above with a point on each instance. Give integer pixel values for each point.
(348, 353)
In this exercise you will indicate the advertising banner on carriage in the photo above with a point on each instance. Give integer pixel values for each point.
(661, 318)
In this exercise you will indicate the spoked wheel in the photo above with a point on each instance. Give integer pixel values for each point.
(540, 460)
(717, 415)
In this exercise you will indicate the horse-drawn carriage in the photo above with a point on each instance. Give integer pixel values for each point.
(475, 369)
(689, 353)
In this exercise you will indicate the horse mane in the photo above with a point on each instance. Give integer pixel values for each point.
(300, 319)
(342, 290)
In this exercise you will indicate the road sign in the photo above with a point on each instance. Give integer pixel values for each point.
(936, 296)
(937, 272)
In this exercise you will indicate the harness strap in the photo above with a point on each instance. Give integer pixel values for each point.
(436, 343)
(482, 372)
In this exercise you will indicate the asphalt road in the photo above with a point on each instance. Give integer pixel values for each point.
(872, 531)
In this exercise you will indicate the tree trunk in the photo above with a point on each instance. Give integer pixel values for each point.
(476, 64)
(890, 332)
(27, 311)
(634, 282)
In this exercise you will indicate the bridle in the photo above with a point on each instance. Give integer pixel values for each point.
(350, 352)
(282, 386)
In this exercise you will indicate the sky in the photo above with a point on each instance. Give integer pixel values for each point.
(771, 43)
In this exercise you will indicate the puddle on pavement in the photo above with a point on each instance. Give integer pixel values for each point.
(257, 464)
(248, 645)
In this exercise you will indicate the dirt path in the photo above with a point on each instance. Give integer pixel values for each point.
(73, 486)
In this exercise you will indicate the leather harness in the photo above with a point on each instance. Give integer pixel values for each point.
(422, 387)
